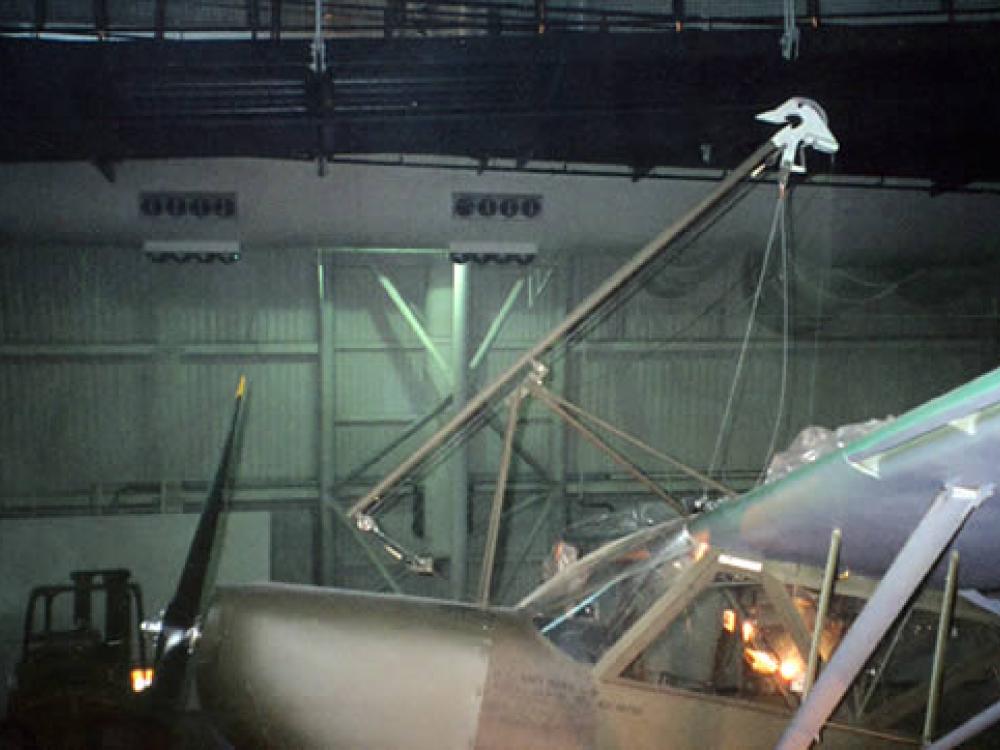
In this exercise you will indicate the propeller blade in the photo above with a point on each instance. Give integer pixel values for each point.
(177, 629)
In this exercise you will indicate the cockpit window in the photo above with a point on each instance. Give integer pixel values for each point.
(660, 609)
(734, 638)
(588, 606)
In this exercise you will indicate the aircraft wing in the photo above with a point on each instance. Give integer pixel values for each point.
(877, 489)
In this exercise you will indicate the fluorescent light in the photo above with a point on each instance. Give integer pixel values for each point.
(754, 566)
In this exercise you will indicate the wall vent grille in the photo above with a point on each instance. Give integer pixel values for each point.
(198, 206)
(496, 206)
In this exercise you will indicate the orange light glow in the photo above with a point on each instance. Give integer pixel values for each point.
(729, 620)
(760, 661)
(700, 550)
(636, 555)
(790, 669)
(749, 631)
(141, 679)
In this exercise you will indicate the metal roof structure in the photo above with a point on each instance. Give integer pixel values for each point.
(909, 84)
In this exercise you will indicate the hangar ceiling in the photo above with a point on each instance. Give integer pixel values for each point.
(910, 85)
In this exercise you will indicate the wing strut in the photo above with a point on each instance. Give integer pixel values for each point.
(938, 527)
(977, 724)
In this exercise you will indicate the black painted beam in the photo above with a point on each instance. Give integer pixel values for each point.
(100, 9)
(276, 20)
(253, 17)
(159, 18)
(41, 15)
(914, 102)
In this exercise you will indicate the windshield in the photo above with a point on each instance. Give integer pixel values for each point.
(589, 605)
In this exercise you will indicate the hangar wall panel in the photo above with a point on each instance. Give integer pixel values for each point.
(66, 427)
(279, 442)
(118, 370)
(114, 369)
(74, 294)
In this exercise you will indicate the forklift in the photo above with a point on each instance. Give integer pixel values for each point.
(82, 667)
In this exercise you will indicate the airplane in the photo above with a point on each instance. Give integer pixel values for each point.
(690, 633)
(793, 613)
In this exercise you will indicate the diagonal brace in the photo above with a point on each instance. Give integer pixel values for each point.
(497, 325)
(690, 471)
(545, 397)
(976, 725)
(493, 534)
(407, 312)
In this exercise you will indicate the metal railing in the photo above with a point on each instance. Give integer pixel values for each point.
(274, 19)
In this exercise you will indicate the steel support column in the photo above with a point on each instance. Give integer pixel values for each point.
(323, 543)
(565, 382)
(460, 459)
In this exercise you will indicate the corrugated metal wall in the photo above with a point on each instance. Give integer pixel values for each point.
(116, 375)
(116, 369)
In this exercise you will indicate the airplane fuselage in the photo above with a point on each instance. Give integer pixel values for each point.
(300, 667)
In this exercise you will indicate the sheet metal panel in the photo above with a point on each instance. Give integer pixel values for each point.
(265, 297)
(386, 383)
(355, 445)
(675, 401)
(364, 312)
(67, 11)
(133, 12)
(833, 7)
(115, 295)
(73, 420)
(889, 382)
(78, 295)
(280, 433)
(65, 427)
(540, 306)
(69, 426)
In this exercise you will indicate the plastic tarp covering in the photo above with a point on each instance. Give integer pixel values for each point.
(814, 442)
(584, 536)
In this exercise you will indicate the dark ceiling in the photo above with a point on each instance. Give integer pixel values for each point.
(904, 100)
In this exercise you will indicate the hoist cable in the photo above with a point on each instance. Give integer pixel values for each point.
(724, 425)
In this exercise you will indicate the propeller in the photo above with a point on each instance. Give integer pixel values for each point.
(177, 631)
